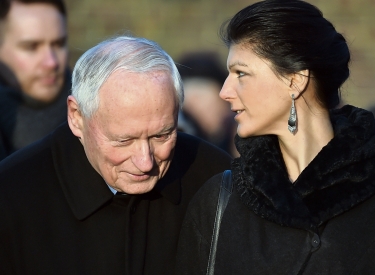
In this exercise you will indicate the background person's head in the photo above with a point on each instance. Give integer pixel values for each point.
(294, 36)
(203, 75)
(33, 36)
(204, 113)
(126, 94)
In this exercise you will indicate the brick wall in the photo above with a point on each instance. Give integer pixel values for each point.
(186, 25)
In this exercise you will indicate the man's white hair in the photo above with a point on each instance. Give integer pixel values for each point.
(132, 54)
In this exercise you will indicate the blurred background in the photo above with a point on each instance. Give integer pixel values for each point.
(183, 27)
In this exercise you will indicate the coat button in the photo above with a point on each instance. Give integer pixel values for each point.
(315, 242)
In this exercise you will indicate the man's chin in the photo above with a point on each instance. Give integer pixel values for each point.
(136, 188)
(45, 94)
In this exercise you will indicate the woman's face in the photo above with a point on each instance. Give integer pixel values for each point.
(261, 100)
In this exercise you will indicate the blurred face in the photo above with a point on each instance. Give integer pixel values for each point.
(259, 98)
(131, 138)
(200, 93)
(34, 48)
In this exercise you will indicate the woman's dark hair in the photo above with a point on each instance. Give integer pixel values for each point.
(293, 35)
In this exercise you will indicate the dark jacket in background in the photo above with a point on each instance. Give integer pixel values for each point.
(2, 147)
(24, 120)
(58, 216)
(323, 223)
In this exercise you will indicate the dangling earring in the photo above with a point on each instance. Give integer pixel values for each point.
(292, 121)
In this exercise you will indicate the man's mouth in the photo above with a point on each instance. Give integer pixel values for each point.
(50, 80)
(139, 177)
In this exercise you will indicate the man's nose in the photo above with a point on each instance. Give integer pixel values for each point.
(143, 157)
(50, 58)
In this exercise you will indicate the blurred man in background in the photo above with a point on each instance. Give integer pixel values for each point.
(34, 79)
(2, 147)
(204, 113)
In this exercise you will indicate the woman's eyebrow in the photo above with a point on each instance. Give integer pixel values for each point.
(239, 63)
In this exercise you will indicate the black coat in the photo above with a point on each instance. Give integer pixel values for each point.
(58, 216)
(323, 223)
(3, 152)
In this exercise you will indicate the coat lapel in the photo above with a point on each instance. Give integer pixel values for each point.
(84, 189)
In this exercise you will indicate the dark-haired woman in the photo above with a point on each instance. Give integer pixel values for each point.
(303, 188)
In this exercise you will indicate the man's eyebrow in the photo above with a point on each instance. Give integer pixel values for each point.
(63, 38)
(237, 63)
(29, 41)
(167, 129)
(26, 41)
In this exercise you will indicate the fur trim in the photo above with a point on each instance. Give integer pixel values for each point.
(341, 176)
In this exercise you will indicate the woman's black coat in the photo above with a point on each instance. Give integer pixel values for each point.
(323, 223)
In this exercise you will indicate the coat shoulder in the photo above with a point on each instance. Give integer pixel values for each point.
(199, 150)
(26, 156)
(202, 207)
(26, 171)
(197, 161)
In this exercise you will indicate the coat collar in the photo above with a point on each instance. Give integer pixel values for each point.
(84, 189)
(7, 77)
(341, 176)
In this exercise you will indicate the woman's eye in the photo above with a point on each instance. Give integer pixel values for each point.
(240, 74)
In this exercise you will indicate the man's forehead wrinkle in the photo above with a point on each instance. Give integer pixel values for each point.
(135, 132)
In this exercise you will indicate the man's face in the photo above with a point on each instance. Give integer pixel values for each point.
(130, 139)
(34, 48)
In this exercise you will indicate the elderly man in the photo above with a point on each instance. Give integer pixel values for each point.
(106, 193)
(34, 79)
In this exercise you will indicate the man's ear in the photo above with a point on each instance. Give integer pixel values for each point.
(75, 119)
(299, 82)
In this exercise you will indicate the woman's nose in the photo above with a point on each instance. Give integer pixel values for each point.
(227, 92)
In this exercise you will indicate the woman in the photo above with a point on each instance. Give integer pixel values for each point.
(303, 188)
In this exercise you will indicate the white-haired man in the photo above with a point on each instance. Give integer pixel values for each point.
(106, 193)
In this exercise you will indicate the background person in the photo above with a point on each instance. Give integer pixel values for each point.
(2, 147)
(303, 187)
(372, 110)
(209, 117)
(106, 192)
(34, 79)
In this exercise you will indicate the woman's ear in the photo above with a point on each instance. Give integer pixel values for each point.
(299, 82)
(75, 119)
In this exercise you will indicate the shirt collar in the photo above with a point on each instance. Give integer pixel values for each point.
(114, 191)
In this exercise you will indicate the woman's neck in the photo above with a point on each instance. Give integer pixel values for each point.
(314, 132)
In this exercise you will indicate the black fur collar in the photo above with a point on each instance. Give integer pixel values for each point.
(341, 176)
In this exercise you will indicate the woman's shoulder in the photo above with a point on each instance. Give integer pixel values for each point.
(208, 193)
(203, 205)
(200, 215)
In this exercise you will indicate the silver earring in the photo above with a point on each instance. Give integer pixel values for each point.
(292, 121)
